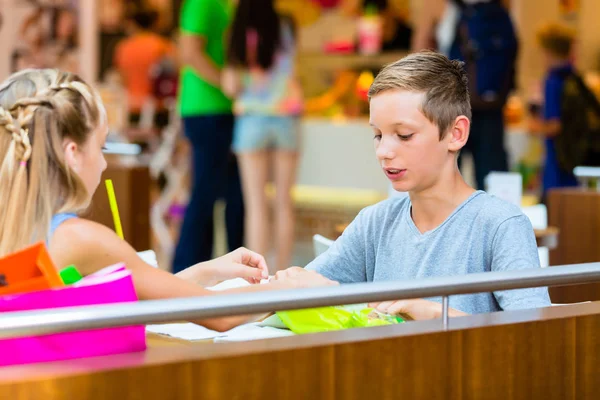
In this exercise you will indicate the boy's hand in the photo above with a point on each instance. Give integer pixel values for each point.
(302, 278)
(414, 309)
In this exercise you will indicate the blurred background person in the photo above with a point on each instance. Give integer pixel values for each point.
(268, 102)
(556, 41)
(435, 26)
(29, 53)
(480, 33)
(135, 59)
(63, 47)
(208, 125)
(397, 31)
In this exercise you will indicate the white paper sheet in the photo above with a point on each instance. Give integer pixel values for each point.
(185, 331)
(269, 328)
(252, 331)
(233, 283)
(149, 256)
(193, 332)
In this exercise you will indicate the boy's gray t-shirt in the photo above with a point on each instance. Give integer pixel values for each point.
(483, 234)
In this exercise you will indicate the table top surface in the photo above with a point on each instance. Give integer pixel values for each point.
(164, 350)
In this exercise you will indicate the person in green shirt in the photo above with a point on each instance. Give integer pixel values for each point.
(208, 124)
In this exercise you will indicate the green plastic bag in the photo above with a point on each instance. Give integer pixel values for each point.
(326, 319)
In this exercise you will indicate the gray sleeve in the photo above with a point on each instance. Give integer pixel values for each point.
(514, 248)
(345, 260)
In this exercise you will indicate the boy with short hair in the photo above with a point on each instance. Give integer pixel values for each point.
(420, 114)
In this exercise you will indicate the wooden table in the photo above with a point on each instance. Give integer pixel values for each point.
(155, 340)
(550, 353)
(544, 237)
(547, 237)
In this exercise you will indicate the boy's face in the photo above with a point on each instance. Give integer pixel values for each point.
(551, 59)
(407, 144)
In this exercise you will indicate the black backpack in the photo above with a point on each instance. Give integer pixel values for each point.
(578, 143)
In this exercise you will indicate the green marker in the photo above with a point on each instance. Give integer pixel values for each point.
(70, 275)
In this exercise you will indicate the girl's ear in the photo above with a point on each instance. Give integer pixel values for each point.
(72, 155)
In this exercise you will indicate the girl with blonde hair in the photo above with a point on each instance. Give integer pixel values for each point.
(52, 131)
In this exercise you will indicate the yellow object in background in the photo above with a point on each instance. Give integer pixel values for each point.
(364, 82)
(112, 199)
(529, 200)
(304, 12)
(321, 104)
(321, 196)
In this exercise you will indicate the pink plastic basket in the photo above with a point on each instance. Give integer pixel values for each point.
(111, 285)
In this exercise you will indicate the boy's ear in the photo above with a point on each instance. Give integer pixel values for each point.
(459, 133)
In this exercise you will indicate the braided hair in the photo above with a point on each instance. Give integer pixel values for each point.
(39, 110)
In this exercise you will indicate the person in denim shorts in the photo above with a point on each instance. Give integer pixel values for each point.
(268, 103)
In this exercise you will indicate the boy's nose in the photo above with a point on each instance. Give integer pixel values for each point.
(383, 151)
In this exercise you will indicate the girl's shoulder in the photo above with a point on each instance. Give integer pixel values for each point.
(85, 243)
(70, 229)
(58, 220)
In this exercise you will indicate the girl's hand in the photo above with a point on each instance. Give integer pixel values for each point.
(241, 263)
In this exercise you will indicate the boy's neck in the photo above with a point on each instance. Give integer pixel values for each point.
(431, 207)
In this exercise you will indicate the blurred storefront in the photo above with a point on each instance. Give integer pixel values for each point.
(342, 47)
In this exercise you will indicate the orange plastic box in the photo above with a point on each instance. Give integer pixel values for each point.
(28, 270)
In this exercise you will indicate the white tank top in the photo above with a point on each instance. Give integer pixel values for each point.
(446, 28)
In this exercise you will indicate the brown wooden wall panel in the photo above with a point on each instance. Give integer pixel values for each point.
(132, 188)
(520, 361)
(576, 213)
(587, 357)
(416, 367)
(546, 354)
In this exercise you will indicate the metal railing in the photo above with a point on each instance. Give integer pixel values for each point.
(40, 322)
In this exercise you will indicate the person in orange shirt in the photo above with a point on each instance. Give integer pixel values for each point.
(135, 58)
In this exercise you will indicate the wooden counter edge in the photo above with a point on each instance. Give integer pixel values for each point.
(157, 355)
